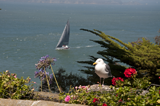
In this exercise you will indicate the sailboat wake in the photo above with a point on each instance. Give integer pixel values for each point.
(88, 46)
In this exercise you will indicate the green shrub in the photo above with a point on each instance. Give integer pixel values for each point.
(126, 92)
(13, 87)
(123, 96)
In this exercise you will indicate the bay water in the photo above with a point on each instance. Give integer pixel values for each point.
(29, 31)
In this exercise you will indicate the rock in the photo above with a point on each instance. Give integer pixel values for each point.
(97, 87)
(144, 92)
(14, 102)
(40, 99)
(46, 96)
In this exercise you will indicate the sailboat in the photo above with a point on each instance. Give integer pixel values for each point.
(64, 39)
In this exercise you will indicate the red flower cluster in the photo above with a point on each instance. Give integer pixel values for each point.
(120, 100)
(116, 79)
(95, 100)
(129, 72)
(104, 104)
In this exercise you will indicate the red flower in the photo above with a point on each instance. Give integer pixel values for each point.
(159, 77)
(119, 78)
(129, 72)
(116, 79)
(104, 104)
(120, 100)
(117, 95)
(95, 100)
(159, 91)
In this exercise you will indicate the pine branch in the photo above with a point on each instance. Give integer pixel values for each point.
(141, 54)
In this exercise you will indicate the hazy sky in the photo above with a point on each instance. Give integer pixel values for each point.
(134, 2)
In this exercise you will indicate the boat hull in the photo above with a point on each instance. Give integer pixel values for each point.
(62, 48)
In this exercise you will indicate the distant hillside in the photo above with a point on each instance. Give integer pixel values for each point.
(118, 2)
(108, 2)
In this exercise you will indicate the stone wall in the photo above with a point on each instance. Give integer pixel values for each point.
(13, 102)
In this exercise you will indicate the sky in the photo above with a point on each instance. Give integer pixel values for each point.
(119, 2)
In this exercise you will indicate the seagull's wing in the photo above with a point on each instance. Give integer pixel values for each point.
(107, 69)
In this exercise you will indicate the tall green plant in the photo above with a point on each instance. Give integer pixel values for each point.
(142, 55)
(44, 63)
(15, 88)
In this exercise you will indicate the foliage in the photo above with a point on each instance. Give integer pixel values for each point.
(65, 81)
(126, 93)
(142, 55)
(123, 96)
(13, 87)
(157, 38)
(131, 80)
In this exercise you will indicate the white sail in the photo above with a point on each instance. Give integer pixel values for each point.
(64, 40)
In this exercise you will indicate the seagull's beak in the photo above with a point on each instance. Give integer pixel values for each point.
(94, 63)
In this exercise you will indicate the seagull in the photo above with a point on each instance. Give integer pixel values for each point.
(102, 69)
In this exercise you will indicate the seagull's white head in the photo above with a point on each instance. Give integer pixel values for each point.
(99, 60)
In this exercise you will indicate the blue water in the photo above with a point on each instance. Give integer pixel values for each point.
(30, 31)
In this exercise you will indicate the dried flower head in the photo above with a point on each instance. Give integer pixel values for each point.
(45, 62)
